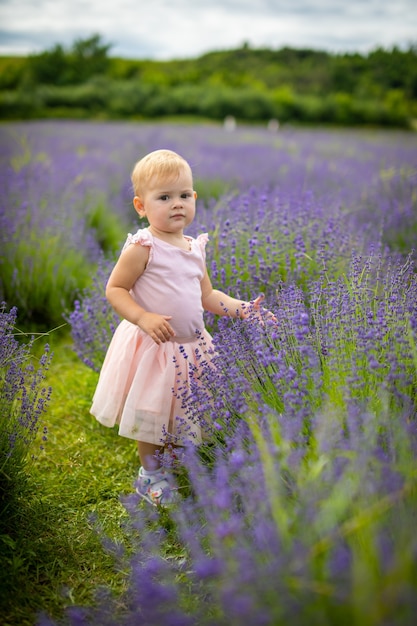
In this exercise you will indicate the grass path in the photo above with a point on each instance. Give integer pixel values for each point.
(52, 556)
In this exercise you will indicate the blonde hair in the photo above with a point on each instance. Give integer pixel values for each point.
(158, 164)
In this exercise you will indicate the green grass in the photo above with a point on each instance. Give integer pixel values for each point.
(51, 551)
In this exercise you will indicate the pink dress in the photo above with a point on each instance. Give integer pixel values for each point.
(141, 382)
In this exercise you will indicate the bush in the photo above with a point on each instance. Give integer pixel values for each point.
(130, 98)
(19, 105)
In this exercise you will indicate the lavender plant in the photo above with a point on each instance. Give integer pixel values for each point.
(400, 227)
(23, 401)
(347, 342)
(92, 320)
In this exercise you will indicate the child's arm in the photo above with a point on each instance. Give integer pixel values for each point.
(128, 269)
(220, 303)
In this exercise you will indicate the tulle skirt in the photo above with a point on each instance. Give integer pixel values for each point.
(142, 385)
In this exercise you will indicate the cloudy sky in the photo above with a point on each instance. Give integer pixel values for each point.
(167, 29)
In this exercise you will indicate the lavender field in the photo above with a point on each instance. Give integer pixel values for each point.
(301, 506)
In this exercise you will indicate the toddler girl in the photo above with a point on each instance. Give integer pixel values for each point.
(160, 287)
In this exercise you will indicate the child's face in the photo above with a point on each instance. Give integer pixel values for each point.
(168, 204)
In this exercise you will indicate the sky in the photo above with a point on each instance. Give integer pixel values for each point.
(179, 29)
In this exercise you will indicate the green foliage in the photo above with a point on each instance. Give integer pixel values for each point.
(294, 85)
(90, 96)
(11, 71)
(104, 99)
(211, 189)
(57, 66)
(19, 104)
(106, 227)
(129, 98)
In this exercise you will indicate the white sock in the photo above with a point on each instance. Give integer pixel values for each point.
(145, 472)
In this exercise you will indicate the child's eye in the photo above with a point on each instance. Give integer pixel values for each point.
(164, 196)
(186, 195)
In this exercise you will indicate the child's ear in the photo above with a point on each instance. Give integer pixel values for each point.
(138, 204)
(195, 195)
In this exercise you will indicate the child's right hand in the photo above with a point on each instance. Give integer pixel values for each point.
(156, 326)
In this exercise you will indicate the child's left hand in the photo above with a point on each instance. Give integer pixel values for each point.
(255, 309)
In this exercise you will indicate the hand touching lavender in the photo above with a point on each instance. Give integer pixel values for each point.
(255, 310)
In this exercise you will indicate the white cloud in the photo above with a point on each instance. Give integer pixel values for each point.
(183, 28)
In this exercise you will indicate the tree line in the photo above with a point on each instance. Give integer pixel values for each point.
(253, 85)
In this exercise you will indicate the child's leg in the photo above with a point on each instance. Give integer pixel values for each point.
(154, 482)
(149, 455)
